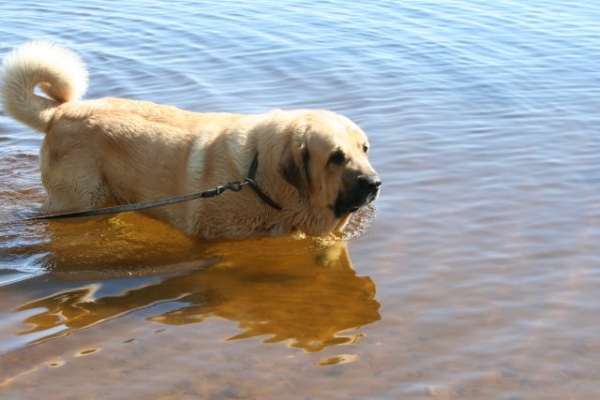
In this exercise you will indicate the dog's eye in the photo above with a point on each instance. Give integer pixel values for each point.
(365, 148)
(337, 158)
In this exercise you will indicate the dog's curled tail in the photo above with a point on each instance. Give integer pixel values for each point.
(56, 70)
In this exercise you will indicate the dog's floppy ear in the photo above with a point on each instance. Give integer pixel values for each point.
(294, 168)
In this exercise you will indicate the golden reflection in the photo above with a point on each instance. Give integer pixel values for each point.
(301, 291)
(336, 360)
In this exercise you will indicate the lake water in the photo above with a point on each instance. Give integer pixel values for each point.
(476, 275)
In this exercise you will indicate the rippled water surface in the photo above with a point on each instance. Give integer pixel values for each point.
(476, 275)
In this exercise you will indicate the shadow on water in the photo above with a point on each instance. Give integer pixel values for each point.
(300, 291)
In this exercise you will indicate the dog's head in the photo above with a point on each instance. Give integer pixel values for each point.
(327, 161)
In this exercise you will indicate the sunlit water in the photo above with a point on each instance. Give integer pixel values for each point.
(476, 275)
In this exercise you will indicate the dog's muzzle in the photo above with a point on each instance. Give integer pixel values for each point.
(364, 191)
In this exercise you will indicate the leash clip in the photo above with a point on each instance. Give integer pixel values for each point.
(235, 186)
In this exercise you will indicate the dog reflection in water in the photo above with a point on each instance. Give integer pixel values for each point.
(307, 299)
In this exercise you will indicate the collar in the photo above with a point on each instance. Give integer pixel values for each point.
(257, 189)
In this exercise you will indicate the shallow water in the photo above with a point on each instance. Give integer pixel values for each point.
(475, 276)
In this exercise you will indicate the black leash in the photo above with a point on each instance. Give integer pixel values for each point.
(233, 186)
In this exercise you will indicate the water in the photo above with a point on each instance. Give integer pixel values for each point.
(477, 278)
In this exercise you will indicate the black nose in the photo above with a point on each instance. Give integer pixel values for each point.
(369, 183)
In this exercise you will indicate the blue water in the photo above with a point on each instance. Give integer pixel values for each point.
(478, 276)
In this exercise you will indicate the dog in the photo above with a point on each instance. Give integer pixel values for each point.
(313, 164)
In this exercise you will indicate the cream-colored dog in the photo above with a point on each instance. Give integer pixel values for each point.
(313, 163)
